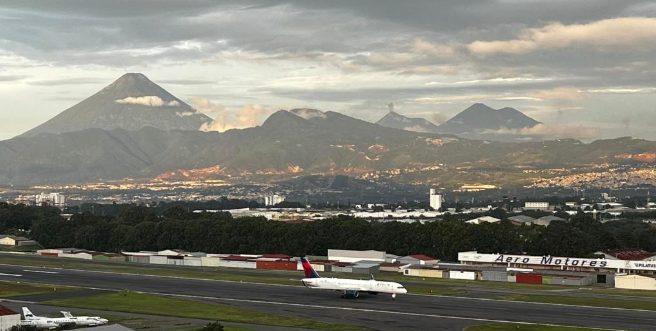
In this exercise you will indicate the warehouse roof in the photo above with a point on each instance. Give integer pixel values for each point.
(423, 257)
(4, 311)
(630, 254)
(521, 219)
(14, 237)
(236, 258)
(276, 256)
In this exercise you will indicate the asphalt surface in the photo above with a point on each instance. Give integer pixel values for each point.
(407, 312)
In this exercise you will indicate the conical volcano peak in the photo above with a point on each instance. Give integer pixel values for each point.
(479, 118)
(479, 107)
(136, 85)
(131, 103)
(131, 78)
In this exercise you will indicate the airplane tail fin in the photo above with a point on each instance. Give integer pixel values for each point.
(67, 314)
(27, 314)
(307, 268)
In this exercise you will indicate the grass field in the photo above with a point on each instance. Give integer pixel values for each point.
(623, 292)
(584, 301)
(521, 327)
(140, 323)
(132, 302)
(10, 289)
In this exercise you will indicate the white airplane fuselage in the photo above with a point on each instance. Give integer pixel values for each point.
(85, 320)
(352, 287)
(40, 324)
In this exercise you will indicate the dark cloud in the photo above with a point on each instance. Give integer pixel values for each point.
(368, 50)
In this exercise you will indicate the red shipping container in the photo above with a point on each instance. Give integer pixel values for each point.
(276, 265)
(529, 278)
(50, 254)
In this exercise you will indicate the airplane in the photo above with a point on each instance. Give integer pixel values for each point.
(85, 320)
(57, 321)
(351, 288)
(64, 322)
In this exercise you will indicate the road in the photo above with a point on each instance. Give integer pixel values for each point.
(407, 312)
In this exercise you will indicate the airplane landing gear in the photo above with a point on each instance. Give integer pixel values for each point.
(351, 294)
(393, 296)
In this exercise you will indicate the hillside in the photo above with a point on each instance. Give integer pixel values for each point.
(287, 145)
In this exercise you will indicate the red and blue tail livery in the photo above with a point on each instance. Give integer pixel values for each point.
(307, 268)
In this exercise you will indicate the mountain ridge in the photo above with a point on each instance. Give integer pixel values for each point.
(273, 152)
(289, 143)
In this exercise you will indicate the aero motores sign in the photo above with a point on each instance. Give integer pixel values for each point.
(556, 261)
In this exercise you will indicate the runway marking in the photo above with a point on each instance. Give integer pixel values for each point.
(364, 310)
(159, 276)
(391, 312)
(532, 302)
(42, 271)
(298, 286)
(11, 275)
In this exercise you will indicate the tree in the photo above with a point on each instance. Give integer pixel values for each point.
(213, 326)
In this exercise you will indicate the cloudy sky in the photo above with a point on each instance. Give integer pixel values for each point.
(587, 69)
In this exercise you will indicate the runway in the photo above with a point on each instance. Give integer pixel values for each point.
(408, 312)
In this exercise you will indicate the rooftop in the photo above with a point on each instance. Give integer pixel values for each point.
(630, 254)
(423, 257)
(4, 311)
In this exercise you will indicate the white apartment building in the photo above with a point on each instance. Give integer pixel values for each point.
(435, 199)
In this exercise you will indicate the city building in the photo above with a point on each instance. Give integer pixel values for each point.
(546, 220)
(521, 219)
(483, 219)
(435, 199)
(635, 282)
(51, 199)
(418, 259)
(272, 200)
(343, 255)
(6, 240)
(536, 205)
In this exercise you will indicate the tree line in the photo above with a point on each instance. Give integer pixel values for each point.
(136, 228)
